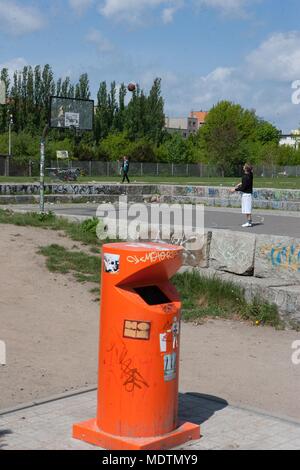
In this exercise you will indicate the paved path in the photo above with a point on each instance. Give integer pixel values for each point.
(266, 222)
(48, 426)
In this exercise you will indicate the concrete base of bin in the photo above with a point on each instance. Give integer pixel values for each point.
(88, 431)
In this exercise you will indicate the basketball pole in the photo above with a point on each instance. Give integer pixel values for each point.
(42, 169)
(11, 122)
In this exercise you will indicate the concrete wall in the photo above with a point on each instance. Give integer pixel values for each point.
(263, 265)
(212, 196)
(277, 257)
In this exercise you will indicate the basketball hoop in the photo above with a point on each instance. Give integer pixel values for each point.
(71, 113)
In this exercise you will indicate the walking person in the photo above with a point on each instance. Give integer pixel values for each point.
(246, 188)
(125, 170)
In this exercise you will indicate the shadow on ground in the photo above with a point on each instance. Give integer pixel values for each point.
(198, 408)
(3, 433)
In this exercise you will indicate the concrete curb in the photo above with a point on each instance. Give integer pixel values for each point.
(50, 399)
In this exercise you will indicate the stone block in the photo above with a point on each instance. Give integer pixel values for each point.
(232, 252)
(197, 254)
(277, 257)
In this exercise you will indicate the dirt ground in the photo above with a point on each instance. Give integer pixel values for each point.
(49, 323)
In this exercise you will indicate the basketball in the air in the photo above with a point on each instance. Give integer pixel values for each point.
(131, 87)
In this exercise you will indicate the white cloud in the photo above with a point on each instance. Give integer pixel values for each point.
(137, 11)
(80, 6)
(168, 14)
(133, 11)
(219, 74)
(17, 19)
(227, 7)
(261, 82)
(278, 58)
(102, 44)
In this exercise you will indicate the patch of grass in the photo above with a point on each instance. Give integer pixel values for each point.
(96, 291)
(280, 182)
(211, 297)
(84, 232)
(294, 325)
(33, 219)
(94, 250)
(85, 268)
(262, 312)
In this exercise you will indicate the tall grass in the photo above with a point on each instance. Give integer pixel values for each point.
(212, 297)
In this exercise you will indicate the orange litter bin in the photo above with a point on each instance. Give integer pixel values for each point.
(139, 351)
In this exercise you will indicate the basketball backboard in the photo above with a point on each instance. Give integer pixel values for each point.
(2, 92)
(71, 113)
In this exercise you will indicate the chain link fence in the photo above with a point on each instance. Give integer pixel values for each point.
(112, 169)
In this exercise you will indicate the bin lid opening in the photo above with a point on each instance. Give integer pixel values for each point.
(152, 295)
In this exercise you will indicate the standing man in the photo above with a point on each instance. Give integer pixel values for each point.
(246, 188)
(125, 170)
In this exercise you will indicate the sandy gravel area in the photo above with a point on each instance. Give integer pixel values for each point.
(48, 321)
(50, 325)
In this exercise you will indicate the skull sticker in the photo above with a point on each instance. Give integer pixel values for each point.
(111, 263)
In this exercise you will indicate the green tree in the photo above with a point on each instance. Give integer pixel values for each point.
(15, 101)
(60, 144)
(112, 105)
(155, 117)
(231, 135)
(102, 125)
(82, 90)
(120, 115)
(143, 151)
(174, 150)
(65, 87)
(115, 145)
(136, 116)
(266, 132)
(25, 147)
(4, 76)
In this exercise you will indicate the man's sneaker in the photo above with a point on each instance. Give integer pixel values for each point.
(247, 225)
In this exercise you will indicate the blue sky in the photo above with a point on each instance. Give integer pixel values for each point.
(247, 51)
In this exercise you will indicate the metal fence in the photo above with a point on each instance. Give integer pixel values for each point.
(112, 169)
(10, 167)
(180, 170)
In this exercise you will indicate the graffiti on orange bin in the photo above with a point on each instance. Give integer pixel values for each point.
(153, 257)
(130, 375)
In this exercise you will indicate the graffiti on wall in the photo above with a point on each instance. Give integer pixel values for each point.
(283, 256)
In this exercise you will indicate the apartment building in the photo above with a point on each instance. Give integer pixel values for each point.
(186, 125)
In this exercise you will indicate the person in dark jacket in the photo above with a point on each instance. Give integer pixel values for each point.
(125, 169)
(246, 188)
